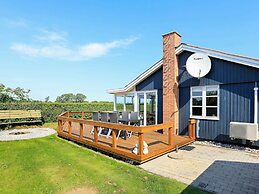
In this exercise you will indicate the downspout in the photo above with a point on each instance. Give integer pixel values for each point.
(256, 104)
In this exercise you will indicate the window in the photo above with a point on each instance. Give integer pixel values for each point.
(205, 102)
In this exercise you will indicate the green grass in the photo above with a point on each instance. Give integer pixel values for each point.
(52, 165)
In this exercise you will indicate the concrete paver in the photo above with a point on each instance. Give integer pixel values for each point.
(213, 169)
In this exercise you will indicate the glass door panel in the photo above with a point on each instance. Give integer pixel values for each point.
(151, 108)
(141, 102)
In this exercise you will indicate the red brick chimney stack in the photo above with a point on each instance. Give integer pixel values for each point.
(170, 75)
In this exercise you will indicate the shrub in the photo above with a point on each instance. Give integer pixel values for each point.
(50, 110)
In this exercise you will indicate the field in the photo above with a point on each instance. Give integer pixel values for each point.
(53, 165)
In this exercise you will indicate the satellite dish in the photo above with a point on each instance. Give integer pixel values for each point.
(198, 65)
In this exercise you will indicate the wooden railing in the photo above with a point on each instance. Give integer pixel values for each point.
(139, 131)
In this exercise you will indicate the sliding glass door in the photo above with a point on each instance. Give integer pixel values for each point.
(151, 108)
(143, 102)
(147, 107)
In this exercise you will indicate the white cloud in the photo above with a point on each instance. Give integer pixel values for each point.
(18, 23)
(50, 36)
(61, 51)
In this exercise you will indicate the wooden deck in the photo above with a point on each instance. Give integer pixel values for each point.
(79, 130)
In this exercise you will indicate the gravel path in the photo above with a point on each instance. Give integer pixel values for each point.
(20, 134)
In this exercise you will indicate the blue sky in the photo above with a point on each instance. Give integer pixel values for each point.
(56, 47)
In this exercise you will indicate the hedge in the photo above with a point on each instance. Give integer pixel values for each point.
(50, 110)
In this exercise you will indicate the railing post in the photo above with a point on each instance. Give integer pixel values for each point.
(83, 115)
(69, 128)
(140, 144)
(59, 126)
(81, 131)
(170, 136)
(95, 134)
(191, 128)
(114, 139)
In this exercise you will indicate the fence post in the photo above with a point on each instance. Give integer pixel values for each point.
(140, 143)
(170, 136)
(114, 139)
(69, 128)
(191, 127)
(59, 126)
(95, 134)
(81, 131)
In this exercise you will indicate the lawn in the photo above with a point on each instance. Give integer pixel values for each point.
(53, 165)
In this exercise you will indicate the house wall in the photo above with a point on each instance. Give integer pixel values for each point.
(237, 84)
(154, 82)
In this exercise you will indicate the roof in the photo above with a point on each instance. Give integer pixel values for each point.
(243, 60)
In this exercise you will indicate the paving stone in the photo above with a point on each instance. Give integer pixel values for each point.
(221, 169)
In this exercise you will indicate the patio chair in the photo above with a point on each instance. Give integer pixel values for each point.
(113, 118)
(133, 120)
(95, 117)
(125, 116)
(126, 119)
(104, 118)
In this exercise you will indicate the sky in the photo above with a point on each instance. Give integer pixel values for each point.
(89, 46)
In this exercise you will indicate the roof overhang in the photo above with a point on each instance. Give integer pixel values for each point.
(219, 54)
(251, 62)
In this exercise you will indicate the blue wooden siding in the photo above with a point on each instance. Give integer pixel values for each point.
(222, 72)
(154, 82)
(237, 84)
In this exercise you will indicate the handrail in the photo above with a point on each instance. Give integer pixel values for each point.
(139, 130)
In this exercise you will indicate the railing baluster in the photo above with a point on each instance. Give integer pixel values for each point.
(140, 144)
(81, 131)
(95, 134)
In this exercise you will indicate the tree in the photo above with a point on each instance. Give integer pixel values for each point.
(18, 94)
(21, 94)
(69, 97)
(80, 97)
(47, 99)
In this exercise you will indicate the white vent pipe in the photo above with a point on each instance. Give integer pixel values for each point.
(256, 105)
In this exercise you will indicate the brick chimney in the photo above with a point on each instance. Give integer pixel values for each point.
(170, 78)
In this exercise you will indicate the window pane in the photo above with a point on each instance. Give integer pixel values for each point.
(211, 101)
(211, 112)
(197, 111)
(196, 92)
(197, 101)
(211, 91)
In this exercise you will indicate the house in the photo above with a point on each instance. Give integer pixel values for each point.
(166, 92)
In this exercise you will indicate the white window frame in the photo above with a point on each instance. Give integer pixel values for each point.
(204, 89)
